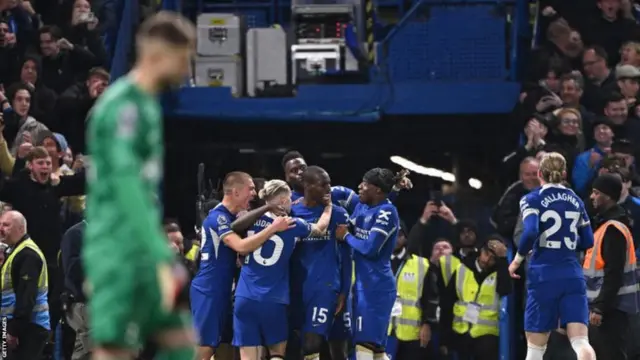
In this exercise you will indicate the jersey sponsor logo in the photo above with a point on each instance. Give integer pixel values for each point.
(384, 215)
(127, 121)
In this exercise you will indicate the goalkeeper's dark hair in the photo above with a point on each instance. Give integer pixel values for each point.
(290, 155)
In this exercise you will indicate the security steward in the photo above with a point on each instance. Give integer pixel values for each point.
(24, 291)
(470, 304)
(610, 272)
(465, 246)
(414, 313)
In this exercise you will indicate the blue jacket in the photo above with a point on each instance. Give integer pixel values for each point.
(583, 173)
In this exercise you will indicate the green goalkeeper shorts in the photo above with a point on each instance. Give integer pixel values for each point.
(125, 306)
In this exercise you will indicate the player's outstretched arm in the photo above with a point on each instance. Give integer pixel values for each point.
(386, 224)
(243, 223)
(254, 241)
(320, 228)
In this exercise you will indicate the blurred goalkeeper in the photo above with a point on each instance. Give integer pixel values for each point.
(133, 281)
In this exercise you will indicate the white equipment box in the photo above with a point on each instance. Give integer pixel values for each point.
(220, 34)
(310, 60)
(220, 71)
(266, 58)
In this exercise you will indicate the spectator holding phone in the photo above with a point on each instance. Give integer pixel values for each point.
(82, 30)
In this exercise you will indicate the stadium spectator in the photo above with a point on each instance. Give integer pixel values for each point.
(19, 125)
(436, 221)
(74, 299)
(74, 104)
(610, 30)
(506, 213)
(63, 62)
(82, 30)
(43, 99)
(630, 54)
(617, 111)
(535, 133)
(9, 54)
(566, 136)
(628, 76)
(600, 79)
(571, 91)
(588, 162)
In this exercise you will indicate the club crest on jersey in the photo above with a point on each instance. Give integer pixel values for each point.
(221, 220)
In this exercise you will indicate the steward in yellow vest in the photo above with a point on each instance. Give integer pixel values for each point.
(470, 303)
(414, 312)
(24, 290)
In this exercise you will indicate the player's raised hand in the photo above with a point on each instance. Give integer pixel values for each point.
(341, 232)
(513, 268)
(282, 223)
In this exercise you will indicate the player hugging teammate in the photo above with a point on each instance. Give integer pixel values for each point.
(309, 239)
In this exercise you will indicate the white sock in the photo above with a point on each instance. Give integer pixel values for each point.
(363, 353)
(583, 349)
(535, 352)
(312, 357)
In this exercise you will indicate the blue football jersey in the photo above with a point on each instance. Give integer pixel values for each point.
(556, 226)
(265, 272)
(321, 261)
(375, 230)
(217, 260)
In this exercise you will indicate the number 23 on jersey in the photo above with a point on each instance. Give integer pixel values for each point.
(557, 231)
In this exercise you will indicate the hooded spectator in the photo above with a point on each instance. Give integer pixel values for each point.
(43, 99)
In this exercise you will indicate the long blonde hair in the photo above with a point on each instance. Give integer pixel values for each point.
(553, 168)
(273, 188)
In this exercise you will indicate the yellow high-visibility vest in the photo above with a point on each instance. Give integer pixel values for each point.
(410, 282)
(40, 311)
(448, 265)
(483, 297)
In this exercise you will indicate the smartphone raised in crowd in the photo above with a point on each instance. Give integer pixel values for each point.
(436, 197)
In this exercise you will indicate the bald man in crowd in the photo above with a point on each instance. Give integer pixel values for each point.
(24, 291)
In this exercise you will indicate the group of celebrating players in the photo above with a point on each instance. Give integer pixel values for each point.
(315, 259)
(307, 214)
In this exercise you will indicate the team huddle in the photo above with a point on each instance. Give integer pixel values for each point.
(303, 271)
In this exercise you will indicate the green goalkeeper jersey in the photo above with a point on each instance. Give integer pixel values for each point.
(125, 142)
